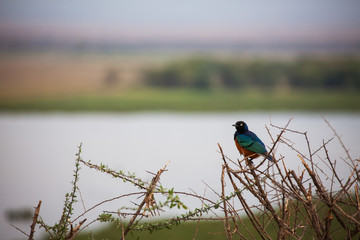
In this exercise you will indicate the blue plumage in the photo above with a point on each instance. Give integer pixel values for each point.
(248, 143)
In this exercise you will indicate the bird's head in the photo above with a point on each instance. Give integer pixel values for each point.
(241, 126)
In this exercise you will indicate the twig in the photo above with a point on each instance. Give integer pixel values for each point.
(35, 217)
(199, 219)
(137, 182)
(263, 234)
(147, 200)
(226, 222)
(72, 234)
(19, 229)
(339, 138)
(105, 201)
(82, 200)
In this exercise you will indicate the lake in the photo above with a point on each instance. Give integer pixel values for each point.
(37, 153)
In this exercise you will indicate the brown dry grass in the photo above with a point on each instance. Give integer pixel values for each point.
(54, 74)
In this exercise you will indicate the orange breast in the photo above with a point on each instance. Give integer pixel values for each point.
(246, 153)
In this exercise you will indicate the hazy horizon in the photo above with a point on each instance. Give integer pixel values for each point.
(229, 22)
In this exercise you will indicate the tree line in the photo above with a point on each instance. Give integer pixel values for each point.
(328, 74)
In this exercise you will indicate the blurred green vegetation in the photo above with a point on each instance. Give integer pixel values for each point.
(215, 229)
(150, 99)
(302, 74)
(207, 230)
(215, 84)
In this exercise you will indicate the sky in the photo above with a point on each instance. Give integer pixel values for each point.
(187, 20)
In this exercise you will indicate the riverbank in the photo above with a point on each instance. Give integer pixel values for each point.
(150, 99)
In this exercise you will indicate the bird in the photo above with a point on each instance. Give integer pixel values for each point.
(248, 144)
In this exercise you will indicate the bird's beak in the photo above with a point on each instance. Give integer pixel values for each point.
(234, 125)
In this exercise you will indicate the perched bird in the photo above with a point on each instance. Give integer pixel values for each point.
(248, 144)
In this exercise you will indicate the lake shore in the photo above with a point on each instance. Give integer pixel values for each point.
(183, 100)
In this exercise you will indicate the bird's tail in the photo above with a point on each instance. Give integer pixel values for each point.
(271, 158)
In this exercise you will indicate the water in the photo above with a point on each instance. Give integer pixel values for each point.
(37, 153)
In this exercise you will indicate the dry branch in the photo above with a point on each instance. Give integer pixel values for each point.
(305, 207)
(148, 201)
(35, 217)
(294, 204)
(226, 221)
(74, 231)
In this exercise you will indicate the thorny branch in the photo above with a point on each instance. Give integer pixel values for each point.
(315, 208)
(35, 217)
(148, 201)
(288, 203)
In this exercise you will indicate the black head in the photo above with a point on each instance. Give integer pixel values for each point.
(241, 126)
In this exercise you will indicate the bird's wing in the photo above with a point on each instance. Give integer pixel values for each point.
(250, 144)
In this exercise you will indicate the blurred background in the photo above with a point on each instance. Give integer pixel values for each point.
(140, 83)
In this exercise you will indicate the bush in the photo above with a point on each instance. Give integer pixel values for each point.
(289, 204)
(301, 74)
